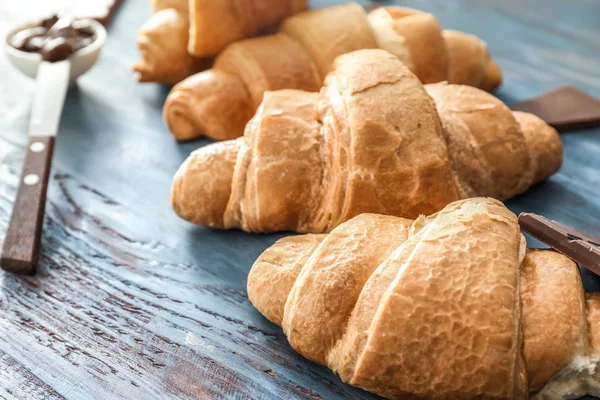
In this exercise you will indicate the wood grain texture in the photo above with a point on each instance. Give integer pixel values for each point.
(21, 247)
(132, 303)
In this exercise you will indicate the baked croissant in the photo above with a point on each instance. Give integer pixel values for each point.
(217, 23)
(450, 306)
(373, 140)
(302, 54)
(162, 43)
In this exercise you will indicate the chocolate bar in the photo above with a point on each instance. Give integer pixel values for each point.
(565, 108)
(583, 248)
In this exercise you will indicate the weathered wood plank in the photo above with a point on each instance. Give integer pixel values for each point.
(18, 382)
(106, 313)
(131, 302)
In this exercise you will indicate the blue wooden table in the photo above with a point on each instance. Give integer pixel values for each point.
(131, 302)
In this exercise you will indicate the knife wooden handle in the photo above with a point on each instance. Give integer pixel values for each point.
(21, 249)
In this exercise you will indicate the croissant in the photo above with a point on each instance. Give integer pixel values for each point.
(302, 54)
(450, 306)
(373, 140)
(163, 41)
(216, 24)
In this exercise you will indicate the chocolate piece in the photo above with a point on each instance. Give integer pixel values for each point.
(565, 108)
(57, 49)
(48, 22)
(35, 44)
(577, 234)
(62, 28)
(580, 247)
(55, 41)
(23, 40)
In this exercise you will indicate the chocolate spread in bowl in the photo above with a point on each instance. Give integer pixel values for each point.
(55, 38)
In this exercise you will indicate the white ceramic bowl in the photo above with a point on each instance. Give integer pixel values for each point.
(81, 61)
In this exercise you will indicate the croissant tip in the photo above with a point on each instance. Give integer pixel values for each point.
(493, 78)
(142, 72)
(174, 115)
(183, 196)
(176, 191)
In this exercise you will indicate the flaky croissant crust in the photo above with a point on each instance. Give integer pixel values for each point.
(373, 140)
(216, 24)
(446, 306)
(302, 54)
(162, 43)
(182, 37)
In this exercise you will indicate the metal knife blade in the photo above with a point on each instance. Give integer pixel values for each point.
(51, 86)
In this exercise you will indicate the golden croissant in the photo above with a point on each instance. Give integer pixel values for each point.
(183, 36)
(163, 42)
(451, 306)
(216, 24)
(373, 140)
(302, 54)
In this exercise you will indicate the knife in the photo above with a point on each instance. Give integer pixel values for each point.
(21, 248)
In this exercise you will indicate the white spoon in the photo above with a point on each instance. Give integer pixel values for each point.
(21, 247)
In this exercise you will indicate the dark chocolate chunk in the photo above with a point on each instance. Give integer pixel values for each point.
(565, 108)
(57, 49)
(48, 22)
(21, 40)
(577, 234)
(580, 247)
(56, 43)
(62, 28)
(35, 44)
